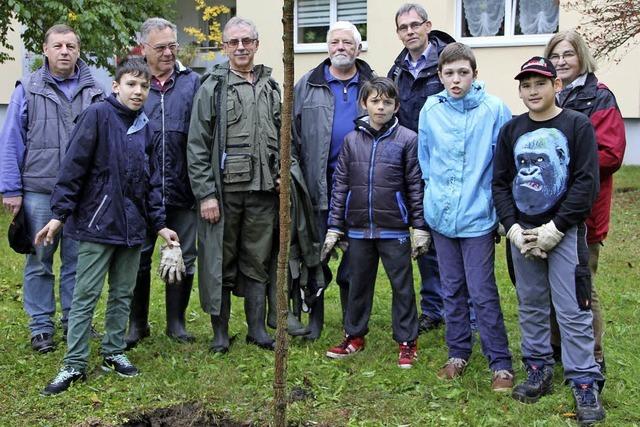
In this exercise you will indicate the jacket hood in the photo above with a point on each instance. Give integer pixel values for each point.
(123, 111)
(317, 75)
(471, 100)
(437, 38)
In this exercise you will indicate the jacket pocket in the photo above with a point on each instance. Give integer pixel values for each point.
(404, 213)
(234, 110)
(237, 168)
(94, 222)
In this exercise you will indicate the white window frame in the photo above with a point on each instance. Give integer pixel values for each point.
(319, 47)
(508, 39)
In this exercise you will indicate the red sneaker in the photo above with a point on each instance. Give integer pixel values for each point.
(408, 354)
(348, 347)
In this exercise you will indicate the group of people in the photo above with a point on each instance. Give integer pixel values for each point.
(422, 164)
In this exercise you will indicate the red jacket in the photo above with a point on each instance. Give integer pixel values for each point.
(596, 101)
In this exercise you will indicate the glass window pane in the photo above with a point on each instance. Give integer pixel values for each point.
(537, 17)
(482, 18)
(313, 21)
(354, 11)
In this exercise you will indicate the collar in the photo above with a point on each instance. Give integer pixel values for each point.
(579, 81)
(331, 78)
(422, 57)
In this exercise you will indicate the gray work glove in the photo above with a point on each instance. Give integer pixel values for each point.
(516, 237)
(546, 237)
(331, 239)
(171, 266)
(421, 242)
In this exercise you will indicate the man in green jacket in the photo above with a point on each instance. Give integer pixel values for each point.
(234, 161)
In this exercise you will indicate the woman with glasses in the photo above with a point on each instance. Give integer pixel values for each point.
(582, 92)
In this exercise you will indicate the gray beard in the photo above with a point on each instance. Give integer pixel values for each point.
(342, 62)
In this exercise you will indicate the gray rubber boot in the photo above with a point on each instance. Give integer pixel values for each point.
(139, 314)
(316, 319)
(220, 325)
(255, 299)
(176, 301)
(295, 328)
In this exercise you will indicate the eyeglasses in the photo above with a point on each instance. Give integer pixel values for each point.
(568, 55)
(173, 47)
(414, 26)
(245, 42)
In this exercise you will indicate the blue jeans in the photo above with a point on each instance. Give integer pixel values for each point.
(39, 280)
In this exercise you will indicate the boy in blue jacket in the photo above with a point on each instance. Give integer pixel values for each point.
(457, 134)
(106, 192)
(376, 197)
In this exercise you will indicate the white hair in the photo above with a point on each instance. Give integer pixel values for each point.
(345, 25)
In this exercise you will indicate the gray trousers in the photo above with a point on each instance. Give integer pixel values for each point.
(540, 283)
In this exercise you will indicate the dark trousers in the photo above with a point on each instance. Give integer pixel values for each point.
(363, 266)
(467, 270)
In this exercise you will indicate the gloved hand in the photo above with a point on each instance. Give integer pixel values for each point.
(535, 252)
(421, 242)
(499, 233)
(331, 239)
(171, 266)
(516, 237)
(546, 237)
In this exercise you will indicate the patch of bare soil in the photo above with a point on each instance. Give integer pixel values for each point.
(183, 415)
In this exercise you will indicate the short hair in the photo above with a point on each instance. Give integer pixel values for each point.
(585, 58)
(157, 24)
(408, 7)
(60, 29)
(455, 52)
(135, 66)
(380, 86)
(345, 25)
(238, 21)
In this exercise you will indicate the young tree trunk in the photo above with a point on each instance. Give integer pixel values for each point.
(282, 289)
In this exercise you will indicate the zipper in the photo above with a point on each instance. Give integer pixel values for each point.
(345, 97)
(93, 218)
(163, 150)
(370, 184)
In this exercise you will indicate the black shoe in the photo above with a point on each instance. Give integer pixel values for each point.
(589, 408)
(66, 376)
(426, 324)
(539, 383)
(120, 364)
(43, 343)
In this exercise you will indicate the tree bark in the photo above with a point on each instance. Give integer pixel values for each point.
(282, 288)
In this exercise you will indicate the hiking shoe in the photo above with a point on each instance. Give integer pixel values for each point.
(408, 354)
(120, 364)
(588, 405)
(452, 369)
(63, 380)
(348, 347)
(539, 382)
(426, 324)
(43, 343)
(502, 380)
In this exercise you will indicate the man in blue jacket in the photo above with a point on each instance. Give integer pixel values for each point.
(34, 138)
(415, 72)
(168, 107)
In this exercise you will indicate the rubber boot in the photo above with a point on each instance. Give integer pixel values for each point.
(139, 314)
(295, 328)
(316, 319)
(176, 300)
(255, 299)
(220, 325)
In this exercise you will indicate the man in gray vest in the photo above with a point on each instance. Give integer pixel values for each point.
(33, 141)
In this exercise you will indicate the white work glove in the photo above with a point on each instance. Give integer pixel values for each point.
(516, 237)
(546, 237)
(331, 239)
(171, 266)
(421, 242)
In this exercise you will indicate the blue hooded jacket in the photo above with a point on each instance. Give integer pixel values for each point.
(456, 142)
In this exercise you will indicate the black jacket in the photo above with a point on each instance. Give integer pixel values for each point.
(107, 189)
(377, 189)
(169, 113)
(415, 91)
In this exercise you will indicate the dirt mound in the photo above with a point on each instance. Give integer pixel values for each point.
(183, 415)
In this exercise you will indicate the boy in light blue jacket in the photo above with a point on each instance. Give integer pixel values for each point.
(457, 134)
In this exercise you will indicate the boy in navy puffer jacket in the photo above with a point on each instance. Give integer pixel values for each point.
(376, 197)
(106, 192)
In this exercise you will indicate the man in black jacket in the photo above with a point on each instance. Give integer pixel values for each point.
(415, 72)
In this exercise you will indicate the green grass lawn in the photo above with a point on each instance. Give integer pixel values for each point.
(367, 389)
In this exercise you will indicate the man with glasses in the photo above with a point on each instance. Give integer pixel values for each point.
(33, 141)
(168, 107)
(415, 71)
(233, 156)
(325, 106)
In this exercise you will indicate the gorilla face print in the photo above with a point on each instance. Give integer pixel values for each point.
(542, 162)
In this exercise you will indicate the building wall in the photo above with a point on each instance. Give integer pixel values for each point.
(11, 70)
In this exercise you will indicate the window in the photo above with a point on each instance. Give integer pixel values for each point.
(313, 17)
(506, 22)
